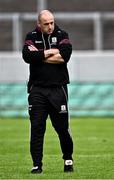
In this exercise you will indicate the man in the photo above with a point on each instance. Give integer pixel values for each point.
(47, 50)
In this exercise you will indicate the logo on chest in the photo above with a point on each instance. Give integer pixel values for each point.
(54, 40)
(38, 42)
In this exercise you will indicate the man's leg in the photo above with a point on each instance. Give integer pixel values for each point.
(38, 116)
(60, 121)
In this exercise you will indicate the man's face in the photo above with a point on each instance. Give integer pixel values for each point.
(46, 23)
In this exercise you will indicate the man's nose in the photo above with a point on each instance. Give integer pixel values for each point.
(50, 26)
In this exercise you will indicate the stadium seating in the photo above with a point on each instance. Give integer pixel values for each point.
(13, 100)
(85, 99)
(82, 6)
(69, 6)
(81, 32)
(91, 99)
(17, 6)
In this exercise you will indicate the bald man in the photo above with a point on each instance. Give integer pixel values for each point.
(47, 50)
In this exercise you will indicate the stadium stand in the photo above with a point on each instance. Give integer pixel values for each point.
(69, 6)
(82, 6)
(91, 91)
(81, 31)
(6, 35)
(13, 100)
(18, 6)
(85, 99)
(91, 99)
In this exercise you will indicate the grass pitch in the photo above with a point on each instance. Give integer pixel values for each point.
(93, 150)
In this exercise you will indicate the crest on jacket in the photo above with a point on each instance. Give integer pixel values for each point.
(54, 40)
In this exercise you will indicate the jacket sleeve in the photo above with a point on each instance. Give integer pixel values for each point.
(65, 47)
(31, 56)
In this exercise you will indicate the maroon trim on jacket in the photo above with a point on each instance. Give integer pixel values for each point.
(38, 28)
(64, 41)
(29, 42)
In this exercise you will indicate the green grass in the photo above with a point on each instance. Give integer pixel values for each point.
(93, 150)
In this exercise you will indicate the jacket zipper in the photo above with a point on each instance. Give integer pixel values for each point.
(45, 42)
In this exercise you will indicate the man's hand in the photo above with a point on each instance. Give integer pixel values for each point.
(55, 59)
(50, 52)
(52, 56)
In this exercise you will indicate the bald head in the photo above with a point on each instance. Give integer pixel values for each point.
(46, 21)
(44, 14)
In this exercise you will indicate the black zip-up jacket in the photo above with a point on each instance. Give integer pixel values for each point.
(46, 74)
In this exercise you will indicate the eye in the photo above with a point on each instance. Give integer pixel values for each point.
(46, 24)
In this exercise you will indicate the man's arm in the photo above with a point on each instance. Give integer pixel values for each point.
(55, 59)
(50, 52)
(65, 47)
(53, 56)
(30, 53)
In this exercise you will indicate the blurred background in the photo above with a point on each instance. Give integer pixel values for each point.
(90, 24)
